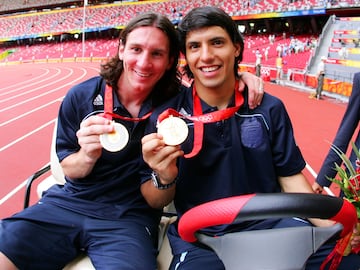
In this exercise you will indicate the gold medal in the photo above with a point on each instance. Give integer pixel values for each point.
(174, 130)
(116, 140)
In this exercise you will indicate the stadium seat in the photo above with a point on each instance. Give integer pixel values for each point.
(83, 262)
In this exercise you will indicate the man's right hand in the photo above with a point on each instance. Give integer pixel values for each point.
(160, 157)
(81, 163)
(89, 133)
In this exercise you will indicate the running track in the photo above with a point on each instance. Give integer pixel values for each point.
(30, 96)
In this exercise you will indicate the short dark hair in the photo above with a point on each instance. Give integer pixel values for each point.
(205, 17)
(170, 82)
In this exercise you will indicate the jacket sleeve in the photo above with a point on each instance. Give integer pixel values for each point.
(344, 134)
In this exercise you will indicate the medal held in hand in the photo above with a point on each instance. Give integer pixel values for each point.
(119, 138)
(171, 126)
(116, 140)
(174, 130)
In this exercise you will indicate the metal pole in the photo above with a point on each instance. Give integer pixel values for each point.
(83, 30)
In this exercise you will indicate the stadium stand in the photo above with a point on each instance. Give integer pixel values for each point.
(339, 44)
(37, 31)
(46, 30)
(16, 5)
(296, 51)
(115, 15)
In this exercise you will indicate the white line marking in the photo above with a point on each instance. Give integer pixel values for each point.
(30, 112)
(26, 83)
(23, 184)
(26, 135)
(15, 190)
(328, 191)
(22, 93)
(313, 173)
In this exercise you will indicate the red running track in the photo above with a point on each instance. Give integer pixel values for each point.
(30, 95)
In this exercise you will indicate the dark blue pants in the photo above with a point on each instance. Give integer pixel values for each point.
(48, 237)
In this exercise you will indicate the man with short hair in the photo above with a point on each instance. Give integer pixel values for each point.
(101, 211)
(228, 148)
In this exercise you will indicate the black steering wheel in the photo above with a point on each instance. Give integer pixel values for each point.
(286, 248)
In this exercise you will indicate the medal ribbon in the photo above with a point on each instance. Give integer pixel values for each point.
(199, 119)
(108, 108)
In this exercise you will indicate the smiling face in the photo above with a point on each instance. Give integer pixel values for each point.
(145, 59)
(210, 54)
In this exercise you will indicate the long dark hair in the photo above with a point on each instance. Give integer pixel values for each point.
(170, 82)
(205, 17)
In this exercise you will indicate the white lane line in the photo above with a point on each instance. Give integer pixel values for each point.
(48, 92)
(25, 83)
(39, 87)
(15, 190)
(23, 184)
(26, 135)
(30, 112)
(328, 191)
(314, 174)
